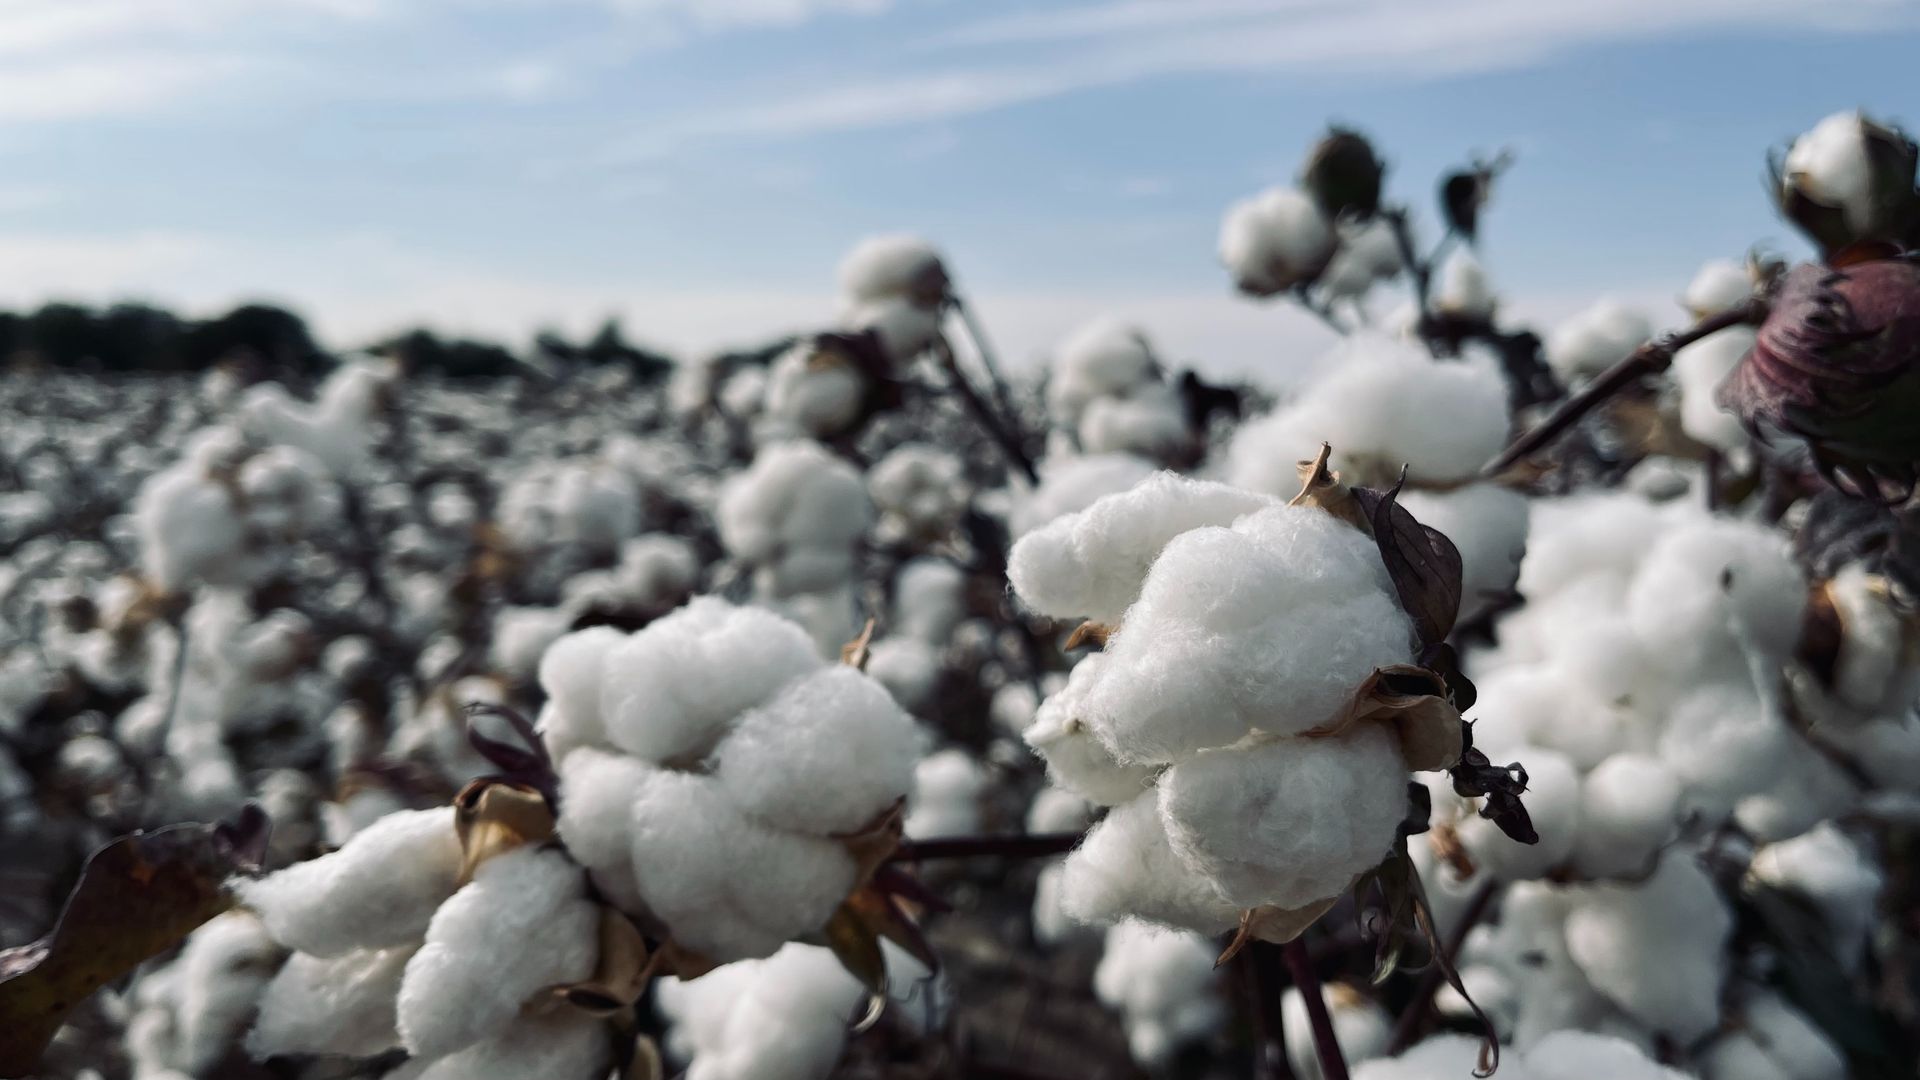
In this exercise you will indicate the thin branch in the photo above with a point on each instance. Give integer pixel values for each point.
(1326, 1046)
(1407, 1028)
(1419, 273)
(1260, 967)
(1016, 846)
(1319, 310)
(1007, 440)
(977, 334)
(1649, 359)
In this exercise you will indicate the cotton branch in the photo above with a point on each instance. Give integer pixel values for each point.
(1029, 846)
(1008, 439)
(1333, 1064)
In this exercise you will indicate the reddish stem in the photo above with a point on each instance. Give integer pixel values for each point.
(1333, 1065)
(1029, 846)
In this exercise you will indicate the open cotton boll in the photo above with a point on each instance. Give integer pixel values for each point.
(1700, 368)
(1103, 358)
(1582, 1055)
(1724, 744)
(904, 328)
(1057, 810)
(1287, 822)
(562, 1045)
(1657, 948)
(221, 970)
(1151, 421)
(895, 264)
(1876, 667)
(1164, 985)
(343, 1005)
(922, 487)
(658, 570)
(523, 923)
(1807, 788)
(827, 754)
(597, 789)
(1368, 252)
(1590, 535)
(1709, 590)
(1596, 339)
(521, 636)
(378, 891)
(689, 843)
(1628, 808)
(1736, 1056)
(818, 400)
(946, 795)
(1275, 240)
(782, 1018)
(1827, 867)
(1831, 163)
(909, 669)
(189, 529)
(1076, 759)
(1072, 483)
(929, 599)
(570, 673)
(1126, 868)
(1791, 1041)
(796, 512)
(1887, 750)
(1092, 563)
(1552, 801)
(1488, 524)
(1463, 288)
(595, 505)
(1438, 1057)
(1718, 285)
(673, 688)
(1361, 1027)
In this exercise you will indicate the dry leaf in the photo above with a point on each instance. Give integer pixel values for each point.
(494, 817)
(1321, 489)
(1088, 632)
(1276, 925)
(857, 652)
(1415, 702)
(621, 974)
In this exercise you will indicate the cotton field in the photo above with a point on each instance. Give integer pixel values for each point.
(1530, 700)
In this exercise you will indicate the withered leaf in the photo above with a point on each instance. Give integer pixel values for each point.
(621, 973)
(1275, 924)
(492, 817)
(1501, 785)
(1088, 633)
(1423, 563)
(857, 652)
(1321, 489)
(137, 896)
(857, 946)
(529, 765)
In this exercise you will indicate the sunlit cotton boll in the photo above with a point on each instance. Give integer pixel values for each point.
(523, 924)
(379, 891)
(189, 529)
(1463, 288)
(946, 796)
(1596, 339)
(922, 489)
(904, 327)
(1076, 760)
(1712, 591)
(1274, 241)
(1072, 483)
(807, 397)
(341, 1005)
(1104, 358)
(1831, 164)
(893, 265)
(795, 514)
(1700, 368)
(1163, 984)
(1126, 868)
(1657, 948)
(1719, 285)
(569, 673)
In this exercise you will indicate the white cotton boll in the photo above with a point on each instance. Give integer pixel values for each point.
(343, 1005)
(1552, 801)
(1887, 750)
(895, 264)
(1724, 744)
(929, 599)
(523, 924)
(1057, 810)
(1801, 1050)
(1710, 589)
(1807, 789)
(946, 796)
(1488, 524)
(1581, 1055)
(827, 617)
(782, 1018)
(570, 674)
(828, 754)
(1076, 759)
(189, 529)
(1092, 563)
(673, 688)
(1368, 253)
(1103, 358)
(1126, 868)
(1439, 1057)
(689, 843)
(1737, 1056)
(562, 1046)
(1699, 369)
(221, 971)
(1827, 867)
(1831, 163)
(903, 327)
(909, 669)
(1656, 948)
(1463, 288)
(597, 789)
(1071, 483)
(1628, 808)
(521, 635)
(924, 487)
(1015, 703)
(1596, 339)
(1051, 923)
(744, 394)
(378, 891)
(1581, 536)
(817, 399)
(1876, 666)
(1164, 984)
(1275, 240)
(797, 512)
(595, 505)
(658, 570)
(1288, 822)
(1719, 285)
(1360, 1026)
(1151, 421)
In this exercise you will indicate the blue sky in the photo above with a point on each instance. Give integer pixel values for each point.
(698, 166)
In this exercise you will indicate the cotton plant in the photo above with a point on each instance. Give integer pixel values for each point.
(1107, 388)
(921, 493)
(795, 518)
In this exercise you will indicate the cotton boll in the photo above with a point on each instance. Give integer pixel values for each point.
(1103, 358)
(893, 265)
(908, 668)
(1711, 589)
(1832, 164)
(658, 570)
(1463, 288)
(595, 505)
(597, 790)
(1807, 789)
(378, 891)
(221, 971)
(1657, 948)
(827, 754)
(1738, 1057)
(1072, 483)
(1580, 1055)
(1150, 421)
(522, 634)
(1876, 667)
(1791, 1041)
(946, 796)
(1274, 241)
(1488, 524)
(1438, 1057)
(672, 689)
(689, 843)
(1585, 536)
(343, 1005)
(782, 1018)
(1057, 810)
(903, 327)
(1368, 253)
(796, 513)
(922, 487)
(1092, 563)
(1596, 339)
(570, 672)
(1076, 759)
(1699, 369)
(1163, 983)
(809, 397)
(1724, 744)
(523, 924)
(1126, 868)
(1719, 285)
(1552, 801)
(562, 1045)
(1887, 750)
(1361, 1027)
(1628, 807)
(1827, 867)
(929, 599)
(1287, 822)
(189, 529)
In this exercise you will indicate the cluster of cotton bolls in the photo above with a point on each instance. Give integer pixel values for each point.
(1109, 393)
(795, 519)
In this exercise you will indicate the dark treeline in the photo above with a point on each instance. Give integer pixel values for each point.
(139, 338)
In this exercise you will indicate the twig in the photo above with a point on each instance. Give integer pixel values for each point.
(1326, 1046)
(1649, 359)
(1319, 310)
(1017, 846)
(1008, 441)
(1418, 272)
(1259, 963)
(977, 334)
(1407, 1028)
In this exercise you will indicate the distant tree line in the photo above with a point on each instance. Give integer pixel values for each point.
(139, 338)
